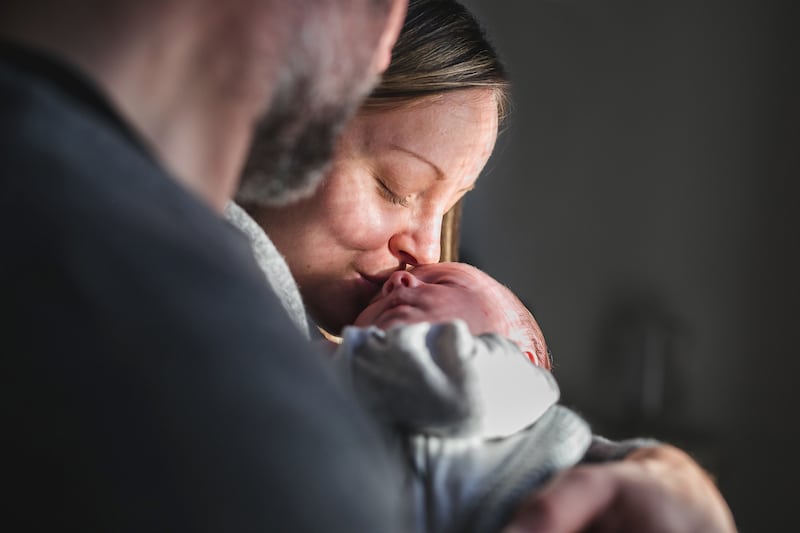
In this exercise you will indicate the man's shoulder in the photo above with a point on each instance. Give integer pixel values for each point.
(83, 205)
(148, 351)
(71, 173)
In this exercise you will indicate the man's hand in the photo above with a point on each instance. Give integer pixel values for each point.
(659, 489)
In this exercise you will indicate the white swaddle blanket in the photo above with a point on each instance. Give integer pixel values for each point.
(480, 419)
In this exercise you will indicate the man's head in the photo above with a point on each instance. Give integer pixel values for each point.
(196, 78)
(441, 292)
(333, 64)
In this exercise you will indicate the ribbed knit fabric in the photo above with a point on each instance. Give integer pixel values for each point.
(272, 264)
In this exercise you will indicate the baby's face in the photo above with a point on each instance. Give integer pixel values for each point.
(438, 293)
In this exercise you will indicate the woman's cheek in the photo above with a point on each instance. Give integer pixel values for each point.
(357, 216)
(367, 225)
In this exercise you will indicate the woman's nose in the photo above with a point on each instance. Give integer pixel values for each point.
(399, 278)
(420, 245)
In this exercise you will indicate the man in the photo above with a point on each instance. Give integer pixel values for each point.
(150, 381)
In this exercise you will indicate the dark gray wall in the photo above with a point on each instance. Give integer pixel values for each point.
(641, 202)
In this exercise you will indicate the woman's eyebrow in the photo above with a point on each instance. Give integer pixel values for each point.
(439, 173)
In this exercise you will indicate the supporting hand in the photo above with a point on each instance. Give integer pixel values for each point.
(658, 489)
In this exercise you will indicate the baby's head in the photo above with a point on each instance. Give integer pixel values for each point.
(445, 291)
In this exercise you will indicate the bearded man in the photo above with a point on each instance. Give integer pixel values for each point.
(151, 382)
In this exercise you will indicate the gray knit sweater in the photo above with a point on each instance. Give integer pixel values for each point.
(273, 264)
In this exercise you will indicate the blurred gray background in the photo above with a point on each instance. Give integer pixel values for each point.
(641, 202)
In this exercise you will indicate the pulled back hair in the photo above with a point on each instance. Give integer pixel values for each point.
(441, 48)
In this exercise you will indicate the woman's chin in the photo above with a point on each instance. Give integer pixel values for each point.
(332, 321)
(333, 327)
(332, 310)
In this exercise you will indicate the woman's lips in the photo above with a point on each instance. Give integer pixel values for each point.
(377, 280)
(367, 288)
(372, 284)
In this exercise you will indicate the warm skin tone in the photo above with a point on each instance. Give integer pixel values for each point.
(395, 174)
(445, 291)
(659, 490)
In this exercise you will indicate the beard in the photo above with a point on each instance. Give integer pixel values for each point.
(291, 150)
(294, 141)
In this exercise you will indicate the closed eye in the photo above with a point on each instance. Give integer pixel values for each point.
(391, 196)
(450, 282)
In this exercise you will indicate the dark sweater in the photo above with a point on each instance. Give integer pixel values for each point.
(150, 380)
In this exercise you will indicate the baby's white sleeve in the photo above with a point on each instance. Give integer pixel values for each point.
(439, 379)
(509, 392)
(411, 377)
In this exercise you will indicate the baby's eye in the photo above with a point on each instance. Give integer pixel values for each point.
(391, 196)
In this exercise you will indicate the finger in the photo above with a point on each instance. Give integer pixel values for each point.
(571, 502)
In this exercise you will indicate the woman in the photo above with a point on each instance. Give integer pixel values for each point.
(413, 150)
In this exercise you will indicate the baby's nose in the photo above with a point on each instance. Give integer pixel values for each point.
(399, 278)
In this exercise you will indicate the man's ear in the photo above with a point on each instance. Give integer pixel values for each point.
(383, 54)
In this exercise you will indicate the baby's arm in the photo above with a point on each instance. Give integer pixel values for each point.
(508, 390)
(439, 379)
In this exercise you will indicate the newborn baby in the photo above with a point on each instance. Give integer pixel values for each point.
(460, 366)
(456, 369)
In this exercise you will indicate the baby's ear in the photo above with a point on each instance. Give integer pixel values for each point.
(541, 360)
(532, 358)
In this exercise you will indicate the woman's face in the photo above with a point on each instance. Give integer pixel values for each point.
(394, 175)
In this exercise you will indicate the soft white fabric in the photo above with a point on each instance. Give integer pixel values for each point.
(272, 264)
(482, 425)
(439, 379)
(469, 486)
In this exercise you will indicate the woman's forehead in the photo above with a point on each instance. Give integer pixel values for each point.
(437, 128)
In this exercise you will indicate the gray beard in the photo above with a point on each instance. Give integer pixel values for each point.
(294, 142)
(290, 154)
(323, 83)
